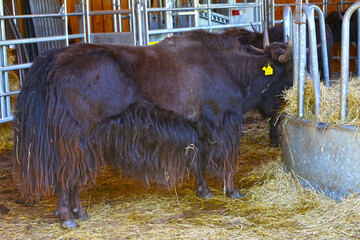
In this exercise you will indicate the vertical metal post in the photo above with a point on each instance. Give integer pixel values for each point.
(113, 3)
(130, 5)
(313, 57)
(168, 17)
(138, 12)
(345, 43)
(196, 16)
(88, 22)
(298, 34)
(119, 15)
(83, 19)
(323, 44)
(4, 76)
(133, 20)
(66, 22)
(287, 15)
(302, 64)
(146, 27)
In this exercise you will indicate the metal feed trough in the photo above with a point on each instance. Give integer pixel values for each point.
(325, 157)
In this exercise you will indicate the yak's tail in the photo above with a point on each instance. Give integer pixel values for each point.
(147, 142)
(34, 160)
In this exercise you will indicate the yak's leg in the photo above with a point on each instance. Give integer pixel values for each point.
(201, 186)
(64, 208)
(274, 121)
(274, 135)
(231, 190)
(78, 210)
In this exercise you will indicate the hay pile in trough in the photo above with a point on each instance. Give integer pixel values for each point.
(276, 206)
(330, 103)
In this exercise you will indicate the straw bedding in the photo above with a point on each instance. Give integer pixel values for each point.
(276, 205)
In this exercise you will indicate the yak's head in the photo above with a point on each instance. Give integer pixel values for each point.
(277, 51)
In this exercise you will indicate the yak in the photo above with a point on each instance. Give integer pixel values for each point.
(334, 20)
(270, 104)
(159, 113)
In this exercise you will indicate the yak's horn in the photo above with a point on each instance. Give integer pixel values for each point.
(285, 57)
(266, 41)
(259, 50)
(253, 28)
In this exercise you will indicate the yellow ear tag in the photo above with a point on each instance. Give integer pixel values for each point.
(268, 70)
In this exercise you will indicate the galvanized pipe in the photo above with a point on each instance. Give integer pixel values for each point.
(39, 39)
(146, 29)
(132, 20)
(88, 22)
(4, 81)
(114, 16)
(66, 22)
(302, 63)
(323, 44)
(313, 56)
(175, 30)
(287, 15)
(213, 6)
(38, 15)
(119, 15)
(138, 12)
(345, 42)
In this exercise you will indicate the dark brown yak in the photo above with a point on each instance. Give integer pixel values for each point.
(271, 101)
(158, 112)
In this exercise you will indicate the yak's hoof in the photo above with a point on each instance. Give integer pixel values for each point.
(84, 217)
(275, 144)
(55, 213)
(203, 193)
(69, 224)
(235, 194)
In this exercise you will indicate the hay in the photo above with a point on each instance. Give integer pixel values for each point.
(330, 103)
(6, 133)
(276, 206)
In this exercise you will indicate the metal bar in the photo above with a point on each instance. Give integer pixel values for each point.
(313, 57)
(138, 11)
(345, 43)
(114, 16)
(174, 30)
(223, 6)
(287, 15)
(119, 15)
(302, 63)
(9, 93)
(132, 20)
(109, 12)
(323, 44)
(83, 14)
(131, 16)
(66, 22)
(39, 39)
(146, 29)
(15, 67)
(88, 22)
(6, 119)
(3, 76)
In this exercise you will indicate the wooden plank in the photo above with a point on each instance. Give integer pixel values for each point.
(108, 24)
(97, 22)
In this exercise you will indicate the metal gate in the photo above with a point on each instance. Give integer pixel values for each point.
(47, 26)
